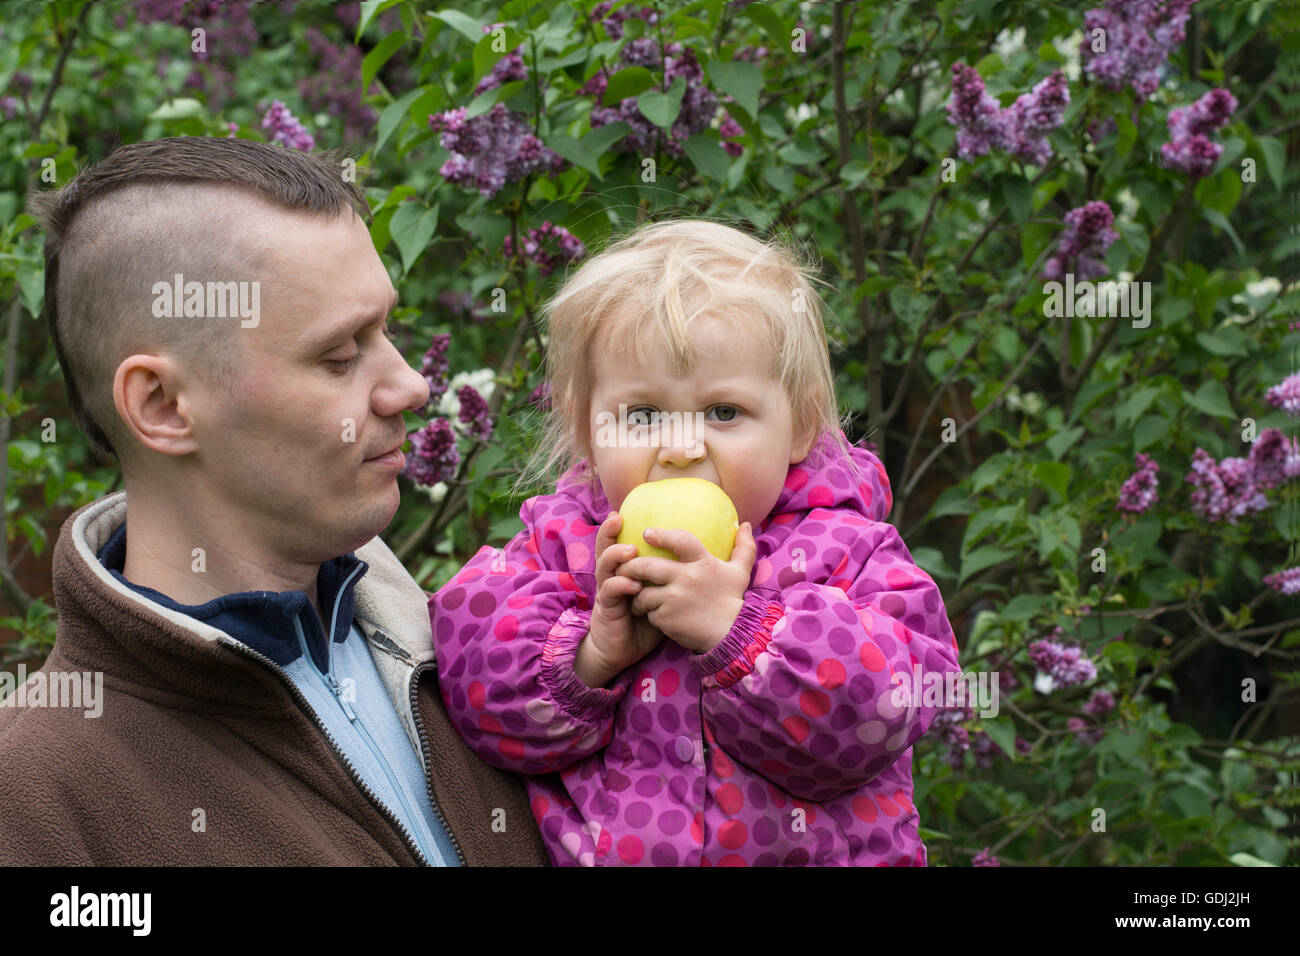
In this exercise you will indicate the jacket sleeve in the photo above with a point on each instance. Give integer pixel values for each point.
(802, 690)
(506, 631)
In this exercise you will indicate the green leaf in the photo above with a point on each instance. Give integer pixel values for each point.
(586, 152)
(1127, 745)
(369, 10)
(377, 57)
(1150, 430)
(633, 81)
(931, 561)
(1053, 475)
(1245, 859)
(393, 115)
(1225, 340)
(662, 108)
(1137, 403)
(1274, 151)
(1063, 441)
(982, 558)
(1002, 732)
(739, 79)
(708, 157)
(1126, 135)
(1220, 191)
(412, 227)
(1023, 607)
(31, 285)
(466, 26)
(1019, 196)
(1220, 221)
(1212, 399)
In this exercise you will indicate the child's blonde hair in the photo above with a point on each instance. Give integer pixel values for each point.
(652, 285)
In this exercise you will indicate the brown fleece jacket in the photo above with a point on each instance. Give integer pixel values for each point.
(203, 756)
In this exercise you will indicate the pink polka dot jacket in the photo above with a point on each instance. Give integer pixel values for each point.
(780, 746)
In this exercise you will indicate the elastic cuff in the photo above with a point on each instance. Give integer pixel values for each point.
(572, 696)
(733, 657)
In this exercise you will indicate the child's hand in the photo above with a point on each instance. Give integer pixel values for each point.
(695, 599)
(616, 640)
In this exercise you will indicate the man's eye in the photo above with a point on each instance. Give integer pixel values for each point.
(344, 365)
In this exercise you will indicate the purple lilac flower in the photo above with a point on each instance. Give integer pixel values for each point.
(434, 456)
(21, 82)
(985, 858)
(984, 749)
(976, 114)
(435, 367)
(1033, 115)
(699, 104)
(491, 149)
(729, 130)
(286, 129)
(1066, 666)
(1286, 394)
(334, 86)
(1190, 150)
(1099, 129)
(1139, 492)
(1088, 234)
(9, 106)
(548, 246)
(1275, 458)
(509, 69)
(541, 396)
(1101, 703)
(1089, 738)
(613, 22)
(474, 413)
(233, 128)
(1023, 746)
(1226, 490)
(230, 34)
(1139, 35)
(1288, 581)
(461, 305)
(947, 727)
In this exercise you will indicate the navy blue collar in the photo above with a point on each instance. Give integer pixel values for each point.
(266, 621)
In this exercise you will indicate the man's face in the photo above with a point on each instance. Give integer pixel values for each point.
(747, 443)
(295, 449)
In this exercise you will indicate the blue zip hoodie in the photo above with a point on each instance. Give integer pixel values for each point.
(336, 675)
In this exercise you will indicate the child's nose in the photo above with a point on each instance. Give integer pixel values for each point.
(682, 454)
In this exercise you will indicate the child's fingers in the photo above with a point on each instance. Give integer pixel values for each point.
(617, 587)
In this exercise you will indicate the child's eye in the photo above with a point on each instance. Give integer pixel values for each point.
(727, 418)
(641, 417)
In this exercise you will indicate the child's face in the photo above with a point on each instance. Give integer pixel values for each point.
(745, 445)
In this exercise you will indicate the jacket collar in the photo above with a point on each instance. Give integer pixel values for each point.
(266, 621)
(140, 641)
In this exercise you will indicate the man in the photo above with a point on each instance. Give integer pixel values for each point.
(269, 682)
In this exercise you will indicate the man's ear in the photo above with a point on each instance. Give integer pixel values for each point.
(148, 393)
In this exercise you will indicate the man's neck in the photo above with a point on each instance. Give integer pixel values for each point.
(173, 550)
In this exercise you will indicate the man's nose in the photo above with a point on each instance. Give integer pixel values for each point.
(402, 388)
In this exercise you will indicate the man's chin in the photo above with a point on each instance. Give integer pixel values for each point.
(366, 523)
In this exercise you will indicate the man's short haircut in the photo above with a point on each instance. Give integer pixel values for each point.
(149, 211)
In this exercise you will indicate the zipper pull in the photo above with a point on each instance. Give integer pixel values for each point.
(338, 692)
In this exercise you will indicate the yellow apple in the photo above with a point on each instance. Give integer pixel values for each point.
(696, 505)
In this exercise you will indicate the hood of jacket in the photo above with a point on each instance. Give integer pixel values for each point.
(824, 479)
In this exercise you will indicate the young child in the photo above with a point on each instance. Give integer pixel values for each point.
(699, 712)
